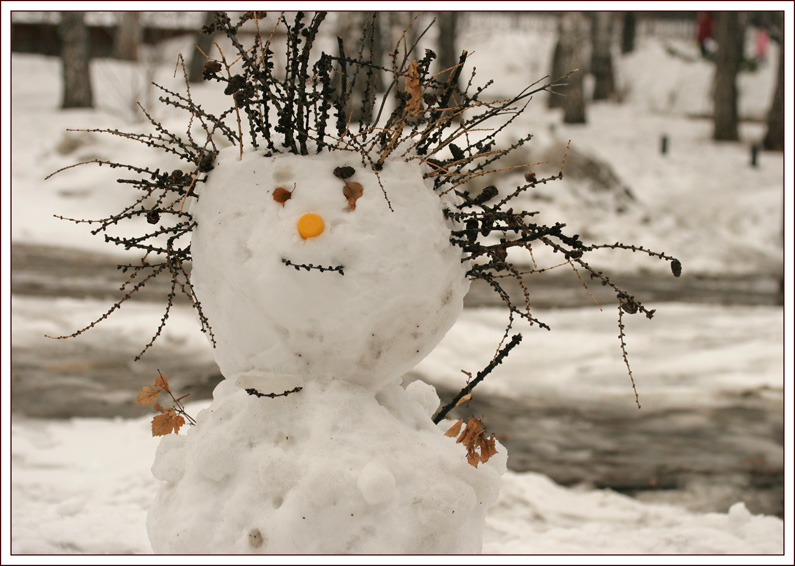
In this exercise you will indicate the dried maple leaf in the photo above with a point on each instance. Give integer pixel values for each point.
(147, 395)
(162, 382)
(455, 429)
(352, 192)
(414, 103)
(167, 422)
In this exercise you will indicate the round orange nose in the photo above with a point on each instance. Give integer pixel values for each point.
(310, 225)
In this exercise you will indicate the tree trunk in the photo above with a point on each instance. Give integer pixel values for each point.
(556, 99)
(446, 45)
(75, 58)
(774, 138)
(128, 37)
(205, 42)
(628, 32)
(601, 57)
(571, 37)
(729, 34)
(361, 33)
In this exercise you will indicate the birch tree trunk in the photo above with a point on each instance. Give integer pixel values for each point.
(571, 37)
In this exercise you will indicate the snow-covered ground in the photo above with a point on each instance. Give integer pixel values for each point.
(701, 202)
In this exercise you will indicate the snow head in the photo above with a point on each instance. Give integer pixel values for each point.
(317, 268)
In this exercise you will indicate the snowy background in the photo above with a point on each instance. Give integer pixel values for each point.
(83, 484)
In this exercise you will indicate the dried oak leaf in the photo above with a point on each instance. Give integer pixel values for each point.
(162, 382)
(166, 423)
(352, 192)
(147, 395)
(414, 103)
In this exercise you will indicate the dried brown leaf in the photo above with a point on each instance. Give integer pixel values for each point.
(147, 395)
(464, 399)
(414, 103)
(491, 449)
(281, 195)
(162, 382)
(473, 459)
(166, 423)
(455, 429)
(352, 192)
(470, 433)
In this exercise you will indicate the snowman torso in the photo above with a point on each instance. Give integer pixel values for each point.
(340, 303)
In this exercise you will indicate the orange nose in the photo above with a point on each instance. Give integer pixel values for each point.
(310, 225)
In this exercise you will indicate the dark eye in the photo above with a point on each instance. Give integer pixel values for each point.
(352, 191)
(344, 172)
(282, 195)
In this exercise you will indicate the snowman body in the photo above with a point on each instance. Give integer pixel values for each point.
(320, 277)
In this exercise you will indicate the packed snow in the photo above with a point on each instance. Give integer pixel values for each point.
(336, 297)
(694, 203)
(384, 286)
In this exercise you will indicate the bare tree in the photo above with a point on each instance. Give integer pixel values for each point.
(628, 29)
(774, 137)
(730, 36)
(128, 37)
(571, 35)
(601, 56)
(204, 42)
(555, 100)
(446, 43)
(75, 58)
(361, 33)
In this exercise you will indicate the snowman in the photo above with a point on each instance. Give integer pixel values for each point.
(327, 261)
(318, 286)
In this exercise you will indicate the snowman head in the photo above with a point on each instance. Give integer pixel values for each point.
(307, 270)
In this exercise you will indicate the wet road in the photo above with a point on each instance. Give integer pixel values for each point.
(705, 458)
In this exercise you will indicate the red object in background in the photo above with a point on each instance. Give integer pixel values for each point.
(704, 29)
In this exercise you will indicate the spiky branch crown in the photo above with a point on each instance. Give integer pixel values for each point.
(452, 131)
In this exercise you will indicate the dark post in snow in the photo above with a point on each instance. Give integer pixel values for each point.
(664, 144)
(75, 58)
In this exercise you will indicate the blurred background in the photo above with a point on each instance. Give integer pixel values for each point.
(677, 134)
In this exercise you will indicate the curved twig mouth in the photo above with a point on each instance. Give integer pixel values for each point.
(309, 266)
